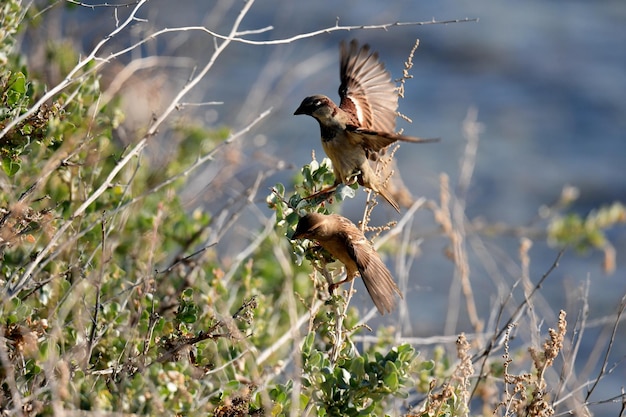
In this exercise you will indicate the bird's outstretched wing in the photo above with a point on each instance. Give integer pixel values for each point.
(374, 141)
(367, 92)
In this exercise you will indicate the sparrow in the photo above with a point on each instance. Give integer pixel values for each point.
(364, 122)
(345, 242)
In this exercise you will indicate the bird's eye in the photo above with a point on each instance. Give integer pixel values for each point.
(317, 103)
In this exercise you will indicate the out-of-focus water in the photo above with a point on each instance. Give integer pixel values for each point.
(548, 80)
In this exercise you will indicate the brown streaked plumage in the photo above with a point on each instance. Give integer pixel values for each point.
(343, 240)
(364, 122)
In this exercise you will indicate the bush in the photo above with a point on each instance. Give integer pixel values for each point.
(119, 298)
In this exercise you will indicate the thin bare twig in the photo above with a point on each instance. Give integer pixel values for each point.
(337, 28)
(577, 336)
(602, 371)
(178, 261)
(97, 306)
(97, 5)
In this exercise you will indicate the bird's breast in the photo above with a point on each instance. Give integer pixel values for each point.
(347, 158)
(328, 132)
(339, 250)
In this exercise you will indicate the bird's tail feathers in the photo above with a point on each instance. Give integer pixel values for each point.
(416, 140)
(382, 289)
(389, 197)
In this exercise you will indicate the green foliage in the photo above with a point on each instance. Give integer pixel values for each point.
(133, 311)
(354, 384)
(16, 96)
(95, 326)
(585, 233)
(10, 19)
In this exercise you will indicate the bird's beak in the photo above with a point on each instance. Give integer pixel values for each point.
(299, 110)
(299, 234)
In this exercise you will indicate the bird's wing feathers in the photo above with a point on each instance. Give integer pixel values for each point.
(374, 141)
(376, 277)
(367, 92)
(378, 280)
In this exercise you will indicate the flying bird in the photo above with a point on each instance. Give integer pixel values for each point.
(345, 242)
(364, 122)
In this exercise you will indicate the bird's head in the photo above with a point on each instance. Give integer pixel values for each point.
(308, 225)
(318, 106)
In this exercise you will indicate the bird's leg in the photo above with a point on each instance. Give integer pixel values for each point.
(323, 257)
(326, 274)
(323, 192)
(356, 176)
(333, 286)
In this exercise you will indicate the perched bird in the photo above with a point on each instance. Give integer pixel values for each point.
(343, 240)
(364, 122)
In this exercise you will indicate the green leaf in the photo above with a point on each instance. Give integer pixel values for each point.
(26, 129)
(343, 378)
(307, 345)
(280, 189)
(17, 83)
(292, 218)
(344, 191)
(391, 380)
(10, 166)
(16, 90)
(357, 367)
